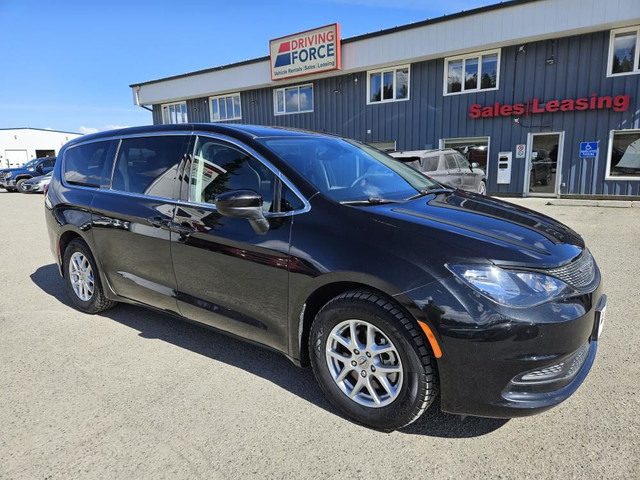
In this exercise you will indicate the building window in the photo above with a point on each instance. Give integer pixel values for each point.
(623, 162)
(472, 72)
(624, 51)
(388, 85)
(174, 113)
(226, 107)
(297, 99)
(474, 149)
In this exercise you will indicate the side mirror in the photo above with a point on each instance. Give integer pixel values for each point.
(475, 165)
(243, 204)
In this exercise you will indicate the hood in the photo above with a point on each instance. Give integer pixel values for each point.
(483, 228)
(16, 169)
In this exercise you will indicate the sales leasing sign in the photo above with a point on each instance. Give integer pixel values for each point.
(305, 53)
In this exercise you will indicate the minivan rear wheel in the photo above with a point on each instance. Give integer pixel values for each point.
(83, 280)
(371, 361)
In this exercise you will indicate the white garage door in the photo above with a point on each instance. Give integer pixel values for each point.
(15, 158)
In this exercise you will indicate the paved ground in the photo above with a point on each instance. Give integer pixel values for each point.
(134, 394)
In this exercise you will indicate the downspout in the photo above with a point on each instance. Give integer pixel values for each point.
(137, 97)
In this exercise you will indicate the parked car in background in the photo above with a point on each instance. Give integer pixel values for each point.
(11, 179)
(446, 166)
(323, 248)
(35, 184)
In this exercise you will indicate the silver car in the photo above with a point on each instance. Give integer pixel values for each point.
(446, 166)
(35, 184)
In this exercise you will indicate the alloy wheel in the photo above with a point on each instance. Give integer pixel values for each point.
(81, 276)
(364, 363)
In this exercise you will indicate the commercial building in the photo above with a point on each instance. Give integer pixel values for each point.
(19, 145)
(542, 93)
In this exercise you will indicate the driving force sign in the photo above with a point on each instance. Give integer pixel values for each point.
(305, 53)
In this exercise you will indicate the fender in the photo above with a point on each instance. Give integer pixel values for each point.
(321, 289)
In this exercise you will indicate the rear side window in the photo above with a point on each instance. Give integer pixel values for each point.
(148, 165)
(87, 164)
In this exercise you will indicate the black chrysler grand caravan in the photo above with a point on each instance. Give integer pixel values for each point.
(395, 288)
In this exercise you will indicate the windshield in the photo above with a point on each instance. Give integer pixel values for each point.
(31, 163)
(349, 171)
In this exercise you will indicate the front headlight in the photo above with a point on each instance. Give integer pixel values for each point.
(513, 288)
(8, 175)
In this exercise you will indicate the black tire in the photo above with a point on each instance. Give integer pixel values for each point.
(547, 178)
(420, 384)
(19, 184)
(97, 301)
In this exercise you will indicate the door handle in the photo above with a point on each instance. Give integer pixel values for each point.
(180, 228)
(156, 221)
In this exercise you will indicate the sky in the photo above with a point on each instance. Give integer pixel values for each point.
(67, 65)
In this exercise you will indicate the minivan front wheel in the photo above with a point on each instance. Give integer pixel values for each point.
(371, 361)
(82, 279)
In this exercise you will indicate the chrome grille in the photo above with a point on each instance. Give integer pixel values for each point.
(578, 273)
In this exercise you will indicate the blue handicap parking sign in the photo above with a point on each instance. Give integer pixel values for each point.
(588, 149)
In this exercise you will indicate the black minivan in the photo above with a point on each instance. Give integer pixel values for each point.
(393, 287)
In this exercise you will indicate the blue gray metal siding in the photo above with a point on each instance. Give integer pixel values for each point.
(578, 70)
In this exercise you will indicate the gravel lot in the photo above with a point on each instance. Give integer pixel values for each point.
(135, 394)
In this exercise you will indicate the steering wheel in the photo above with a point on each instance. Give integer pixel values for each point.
(358, 180)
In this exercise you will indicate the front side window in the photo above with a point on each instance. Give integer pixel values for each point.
(624, 51)
(298, 99)
(225, 108)
(462, 162)
(451, 162)
(624, 155)
(219, 167)
(349, 171)
(148, 165)
(174, 113)
(87, 164)
(388, 85)
(472, 73)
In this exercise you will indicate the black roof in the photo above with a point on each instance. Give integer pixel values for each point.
(409, 26)
(236, 130)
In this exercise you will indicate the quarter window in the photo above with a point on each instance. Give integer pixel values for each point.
(297, 99)
(624, 155)
(225, 108)
(388, 85)
(174, 113)
(624, 51)
(148, 165)
(87, 164)
(472, 73)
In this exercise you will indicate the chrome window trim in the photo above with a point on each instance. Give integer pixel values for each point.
(213, 135)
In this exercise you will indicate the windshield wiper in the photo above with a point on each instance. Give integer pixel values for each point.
(370, 201)
(430, 191)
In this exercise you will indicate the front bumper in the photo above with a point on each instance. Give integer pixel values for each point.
(32, 187)
(507, 362)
